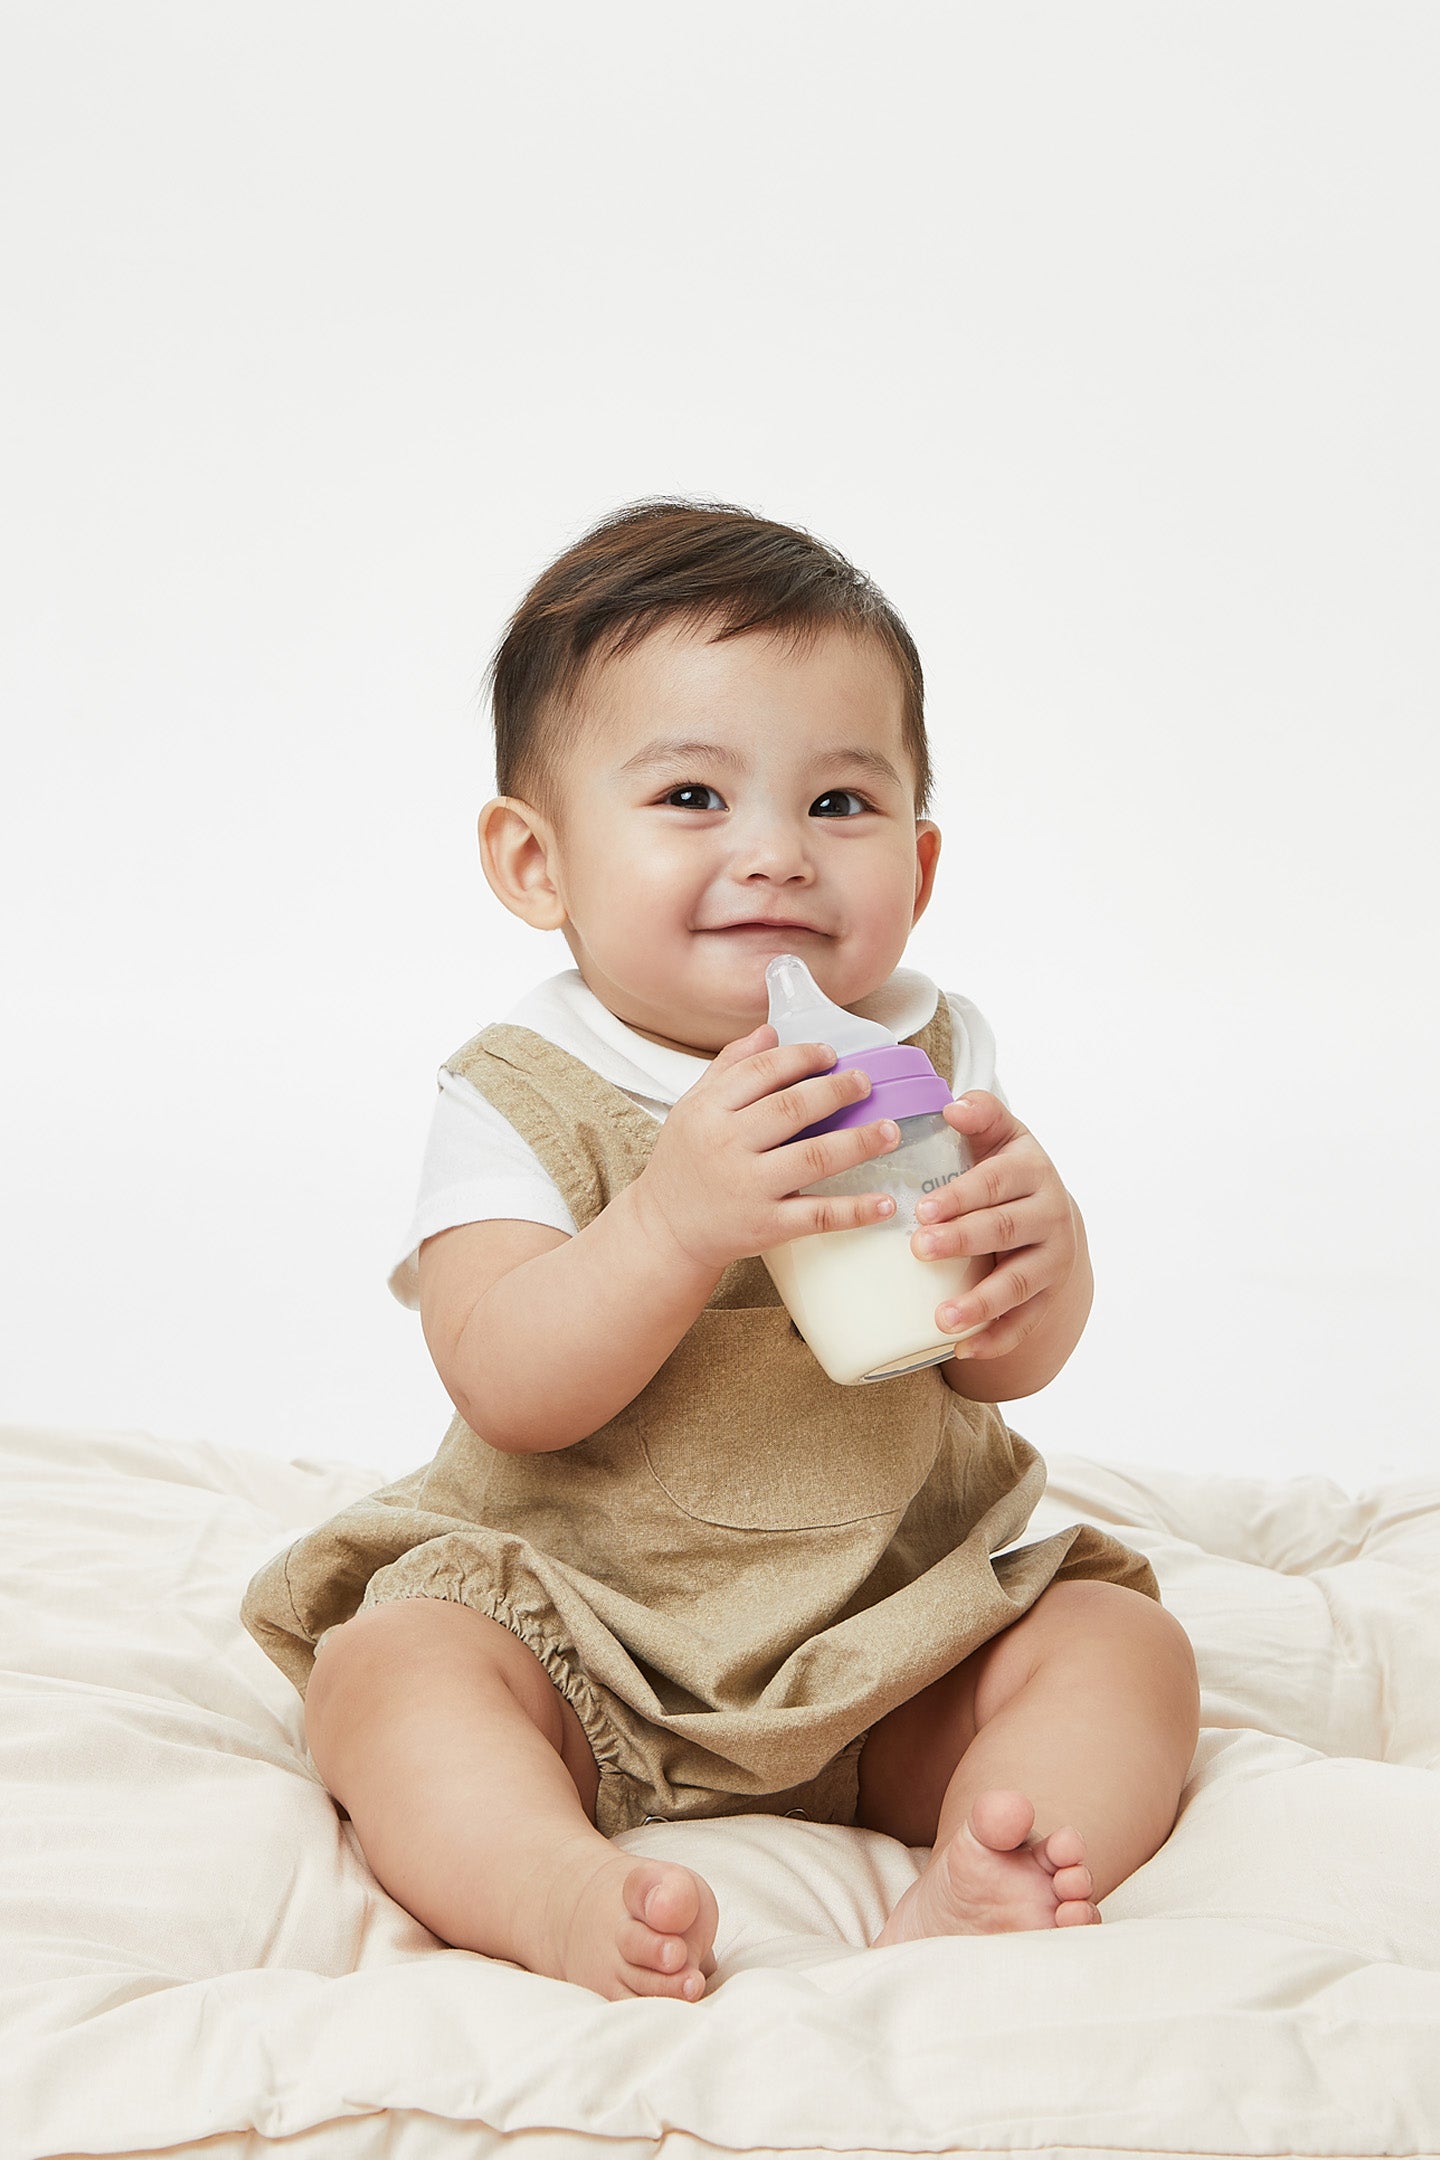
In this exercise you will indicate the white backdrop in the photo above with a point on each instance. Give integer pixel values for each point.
(1105, 338)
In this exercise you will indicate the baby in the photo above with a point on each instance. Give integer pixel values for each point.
(662, 1566)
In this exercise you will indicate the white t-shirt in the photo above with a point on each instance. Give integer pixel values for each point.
(478, 1169)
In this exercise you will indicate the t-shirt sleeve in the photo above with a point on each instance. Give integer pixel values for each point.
(476, 1168)
(974, 1045)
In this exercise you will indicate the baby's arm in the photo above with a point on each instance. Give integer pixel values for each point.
(533, 1332)
(541, 1338)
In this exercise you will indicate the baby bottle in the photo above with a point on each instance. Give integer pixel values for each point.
(861, 1299)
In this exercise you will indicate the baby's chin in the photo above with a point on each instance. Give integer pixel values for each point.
(696, 1026)
(698, 1030)
(697, 1038)
(721, 1005)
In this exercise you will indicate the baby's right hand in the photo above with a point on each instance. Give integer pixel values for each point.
(725, 1173)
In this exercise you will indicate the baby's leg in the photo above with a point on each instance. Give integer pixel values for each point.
(471, 1787)
(1043, 1770)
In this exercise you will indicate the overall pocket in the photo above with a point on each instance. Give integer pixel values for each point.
(742, 1428)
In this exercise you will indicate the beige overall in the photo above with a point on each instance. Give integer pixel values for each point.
(740, 1573)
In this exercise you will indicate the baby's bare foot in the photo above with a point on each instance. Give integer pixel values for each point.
(629, 1927)
(985, 1880)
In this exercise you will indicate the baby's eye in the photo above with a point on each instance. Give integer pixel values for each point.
(833, 803)
(687, 797)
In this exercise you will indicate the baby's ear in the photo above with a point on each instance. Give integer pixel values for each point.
(516, 850)
(927, 855)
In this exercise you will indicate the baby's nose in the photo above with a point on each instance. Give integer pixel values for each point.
(774, 849)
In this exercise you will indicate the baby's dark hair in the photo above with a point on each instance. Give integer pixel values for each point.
(673, 559)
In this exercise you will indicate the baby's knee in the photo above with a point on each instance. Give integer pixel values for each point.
(1106, 1619)
(1115, 1643)
(1157, 1654)
(396, 1652)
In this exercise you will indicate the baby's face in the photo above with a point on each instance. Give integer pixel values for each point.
(728, 802)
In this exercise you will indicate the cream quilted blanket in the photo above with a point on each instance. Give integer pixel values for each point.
(194, 1955)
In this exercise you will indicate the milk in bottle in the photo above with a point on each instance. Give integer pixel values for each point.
(861, 1299)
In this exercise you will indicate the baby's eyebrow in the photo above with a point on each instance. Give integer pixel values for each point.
(665, 751)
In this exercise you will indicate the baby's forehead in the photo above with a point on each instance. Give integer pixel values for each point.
(680, 668)
(825, 689)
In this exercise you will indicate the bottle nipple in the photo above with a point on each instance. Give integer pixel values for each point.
(801, 1012)
(903, 1082)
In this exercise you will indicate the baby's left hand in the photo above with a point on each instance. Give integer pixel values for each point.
(1012, 1204)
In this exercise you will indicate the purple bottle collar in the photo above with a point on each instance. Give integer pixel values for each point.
(903, 1083)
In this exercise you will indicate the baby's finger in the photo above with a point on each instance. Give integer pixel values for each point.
(1002, 1179)
(1012, 1283)
(984, 1230)
(806, 1213)
(984, 1121)
(761, 1038)
(750, 1078)
(1002, 1335)
(825, 1155)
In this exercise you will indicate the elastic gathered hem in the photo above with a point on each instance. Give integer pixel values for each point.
(628, 1799)
(567, 1679)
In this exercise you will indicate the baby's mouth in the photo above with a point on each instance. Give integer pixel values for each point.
(766, 929)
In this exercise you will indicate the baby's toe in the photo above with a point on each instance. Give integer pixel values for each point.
(1073, 1882)
(643, 1946)
(669, 1928)
(1077, 1912)
(665, 1898)
(1000, 1819)
(1063, 1848)
(642, 1981)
